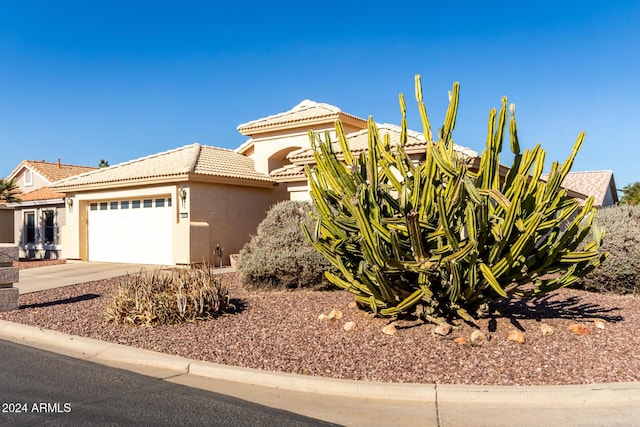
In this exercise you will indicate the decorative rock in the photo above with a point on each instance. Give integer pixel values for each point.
(579, 329)
(353, 304)
(442, 330)
(323, 317)
(350, 326)
(478, 337)
(335, 314)
(389, 329)
(600, 324)
(516, 336)
(460, 340)
(546, 329)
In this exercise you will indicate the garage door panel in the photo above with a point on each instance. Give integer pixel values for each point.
(142, 235)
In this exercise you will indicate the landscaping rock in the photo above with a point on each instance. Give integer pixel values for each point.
(389, 329)
(460, 340)
(335, 314)
(516, 336)
(546, 329)
(479, 338)
(600, 324)
(579, 329)
(442, 330)
(350, 326)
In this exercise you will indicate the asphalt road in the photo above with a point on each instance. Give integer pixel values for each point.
(42, 388)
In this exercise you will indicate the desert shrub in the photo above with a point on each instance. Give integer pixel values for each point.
(444, 237)
(620, 273)
(278, 255)
(160, 298)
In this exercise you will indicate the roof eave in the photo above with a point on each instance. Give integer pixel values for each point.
(108, 185)
(228, 180)
(29, 203)
(307, 123)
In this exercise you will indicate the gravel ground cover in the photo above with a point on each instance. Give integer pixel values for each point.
(281, 331)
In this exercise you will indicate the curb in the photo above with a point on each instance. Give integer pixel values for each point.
(135, 359)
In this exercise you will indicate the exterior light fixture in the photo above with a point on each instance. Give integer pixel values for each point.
(69, 203)
(183, 196)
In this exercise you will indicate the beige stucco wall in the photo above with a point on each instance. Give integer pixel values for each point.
(232, 213)
(37, 181)
(299, 191)
(270, 148)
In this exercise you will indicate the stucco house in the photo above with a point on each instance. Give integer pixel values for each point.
(41, 212)
(200, 203)
(188, 205)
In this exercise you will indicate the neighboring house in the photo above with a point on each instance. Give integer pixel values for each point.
(174, 207)
(599, 184)
(41, 212)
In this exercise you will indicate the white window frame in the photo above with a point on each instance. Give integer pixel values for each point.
(25, 239)
(28, 177)
(43, 227)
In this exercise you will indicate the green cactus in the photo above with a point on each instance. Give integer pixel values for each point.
(449, 233)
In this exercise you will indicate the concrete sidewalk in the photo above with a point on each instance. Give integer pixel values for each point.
(72, 273)
(359, 403)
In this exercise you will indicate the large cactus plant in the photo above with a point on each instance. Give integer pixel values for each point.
(444, 236)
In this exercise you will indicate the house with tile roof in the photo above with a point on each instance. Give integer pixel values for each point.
(37, 219)
(200, 203)
(193, 204)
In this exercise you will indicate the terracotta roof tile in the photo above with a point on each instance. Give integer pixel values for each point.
(358, 143)
(44, 193)
(222, 162)
(183, 161)
(305, 111)
(289, 173)
(51, 171)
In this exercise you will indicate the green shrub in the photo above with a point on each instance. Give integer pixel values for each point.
(620, 273)
(279, 256)
(160, 298)
(446, 236)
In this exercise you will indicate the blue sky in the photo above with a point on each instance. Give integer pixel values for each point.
(117, 80)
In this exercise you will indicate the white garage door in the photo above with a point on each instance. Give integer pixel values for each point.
(133, 231)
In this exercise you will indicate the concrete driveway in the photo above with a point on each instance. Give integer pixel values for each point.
(72, 273)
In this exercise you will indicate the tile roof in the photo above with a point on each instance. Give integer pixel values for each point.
(289, 173)
(44, 193)
(180, 162)
(52, 171)
(305, 111)
(358, 143)
(590, 183)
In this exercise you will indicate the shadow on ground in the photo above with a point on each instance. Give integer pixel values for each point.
(546, 307)
(71, 300)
